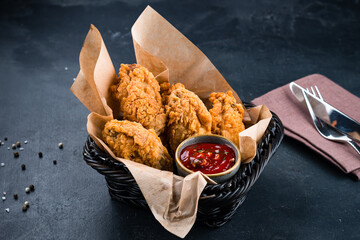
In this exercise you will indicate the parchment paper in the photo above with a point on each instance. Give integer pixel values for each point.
(186, 63)
(170, 56)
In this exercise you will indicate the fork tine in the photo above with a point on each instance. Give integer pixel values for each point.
(312, 91)
(314, 94)
(312, 113)
(318, 92)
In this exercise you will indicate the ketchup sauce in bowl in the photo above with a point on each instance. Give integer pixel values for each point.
(213, 155)
(209, 158)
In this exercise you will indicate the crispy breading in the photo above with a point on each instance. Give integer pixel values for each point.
(165, 91)
(227, 116)
(139, 94)
(187, 115)
(130, 140)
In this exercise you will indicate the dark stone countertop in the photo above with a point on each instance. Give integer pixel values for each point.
(257, 46)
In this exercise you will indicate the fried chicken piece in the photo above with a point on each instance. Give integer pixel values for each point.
(187, 115)
(139, 94)
(130, 140)
(165, 91)
(227, 116)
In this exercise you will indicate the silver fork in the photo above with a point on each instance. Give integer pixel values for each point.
(326, 130)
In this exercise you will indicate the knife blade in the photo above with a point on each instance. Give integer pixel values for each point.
(328, 113)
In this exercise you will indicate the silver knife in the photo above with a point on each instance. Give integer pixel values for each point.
(328, 113)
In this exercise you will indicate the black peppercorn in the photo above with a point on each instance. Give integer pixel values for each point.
(23, 167)
(16, 154)
(24, 208)
(18, 144)
(54, 162)
(15, 196)
(40, 155)
(60, 145)
(32, 188)
(5, 139)
(13, 146)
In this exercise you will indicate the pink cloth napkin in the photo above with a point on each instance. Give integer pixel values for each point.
(298, 124)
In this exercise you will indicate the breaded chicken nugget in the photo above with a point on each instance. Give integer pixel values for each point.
(227, 116)
(130, 140)
(187, 115)
(139, 94)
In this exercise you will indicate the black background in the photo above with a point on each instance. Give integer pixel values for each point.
(256, 45)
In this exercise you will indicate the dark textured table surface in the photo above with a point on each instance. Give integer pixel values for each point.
(257, 46)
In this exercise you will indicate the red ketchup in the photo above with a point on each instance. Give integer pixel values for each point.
(209, 158)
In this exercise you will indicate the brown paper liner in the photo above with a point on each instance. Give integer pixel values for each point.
(170, 56)
(186, 63)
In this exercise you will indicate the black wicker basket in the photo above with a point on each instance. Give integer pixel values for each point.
(217, 203)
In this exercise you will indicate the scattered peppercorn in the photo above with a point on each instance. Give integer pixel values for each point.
(23, 167)
(15, 196)
(27, 204)
(18, 144)
(40, 155)
(16, 154)
(5, 138)
(13, 146)
(60, 145)
(32, 188)
(24, 208)
(27, 190)
(54, 162)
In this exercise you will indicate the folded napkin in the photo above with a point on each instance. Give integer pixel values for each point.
(298, 123)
